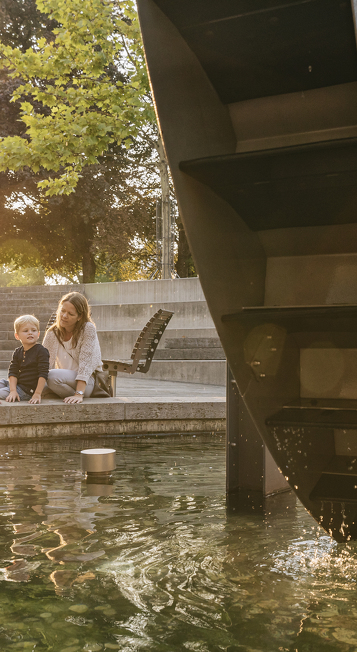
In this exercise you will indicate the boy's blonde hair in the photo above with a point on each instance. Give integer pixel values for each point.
(26, 319)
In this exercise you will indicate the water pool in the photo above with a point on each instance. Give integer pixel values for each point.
(158, 564)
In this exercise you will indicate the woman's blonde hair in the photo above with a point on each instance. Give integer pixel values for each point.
(80, 303)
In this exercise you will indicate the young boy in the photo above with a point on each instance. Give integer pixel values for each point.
(29, 365)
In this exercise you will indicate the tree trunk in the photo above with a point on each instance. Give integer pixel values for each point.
(184, 264)
(88, 268)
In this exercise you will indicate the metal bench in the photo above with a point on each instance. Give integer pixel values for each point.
(144, 348)
(51, 321)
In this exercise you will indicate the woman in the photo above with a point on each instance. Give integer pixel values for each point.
(74, 350)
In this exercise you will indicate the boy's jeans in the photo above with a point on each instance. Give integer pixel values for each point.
(5, 391)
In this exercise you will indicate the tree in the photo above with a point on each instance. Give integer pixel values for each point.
(184, 264)
(86, 89)
(35, 230)
(21, 23)
(73, 234)
(82, 91)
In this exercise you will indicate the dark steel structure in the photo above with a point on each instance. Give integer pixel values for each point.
(257, 103)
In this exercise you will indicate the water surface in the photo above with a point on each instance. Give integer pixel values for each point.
(158, 563)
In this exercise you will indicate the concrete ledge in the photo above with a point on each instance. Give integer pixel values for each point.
(54, 419)
(194, 314)
(68, 431)
(183, 289)
(205, 372)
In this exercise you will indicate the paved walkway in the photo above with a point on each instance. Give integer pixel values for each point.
(139, 388)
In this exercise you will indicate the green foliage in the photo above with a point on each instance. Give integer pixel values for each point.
(10, 276)
(70, 234)
(139, 262)
(82, 90)
(113, 201)
(75, 74)
(19, 252)
(21, 23)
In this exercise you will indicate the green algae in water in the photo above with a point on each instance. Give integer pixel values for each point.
(159, 563)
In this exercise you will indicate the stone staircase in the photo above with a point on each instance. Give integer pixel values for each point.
(189, 351)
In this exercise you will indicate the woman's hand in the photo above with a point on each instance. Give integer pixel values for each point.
(77, 398)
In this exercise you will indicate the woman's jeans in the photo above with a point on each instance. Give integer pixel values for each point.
(5, 391)
(63, 383)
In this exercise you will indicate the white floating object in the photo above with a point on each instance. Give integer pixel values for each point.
(98, 460)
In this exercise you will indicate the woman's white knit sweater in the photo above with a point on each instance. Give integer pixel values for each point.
(87, 352)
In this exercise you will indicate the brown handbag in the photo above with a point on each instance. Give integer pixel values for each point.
(102, 386)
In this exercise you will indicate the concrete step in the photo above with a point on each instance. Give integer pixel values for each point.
(205, 372)
(7, 322)
(191, 348)
(19, 308)
(26, 308)
(7, 335)
(192, 342)
(40, 290)
(30, 297)
(43, 322)
(194, 314)
(9, 345)
(5, 355)
(182, 289)
(118, 345)
(199, 353)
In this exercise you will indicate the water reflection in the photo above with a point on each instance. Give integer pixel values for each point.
(98, 486)
(161, 563)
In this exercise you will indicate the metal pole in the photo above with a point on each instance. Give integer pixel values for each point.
(165, 211)
(113, 382)
(158, 234)
(166, 237)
